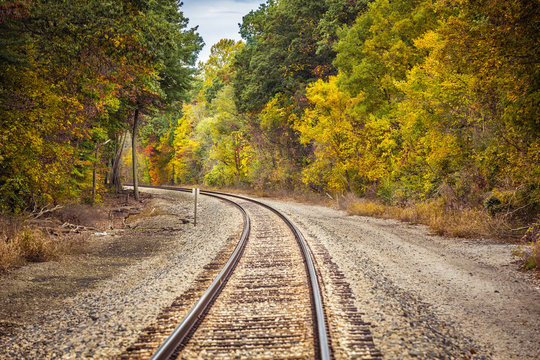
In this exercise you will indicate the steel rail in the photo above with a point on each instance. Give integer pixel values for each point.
(167, 349)
(320, 323)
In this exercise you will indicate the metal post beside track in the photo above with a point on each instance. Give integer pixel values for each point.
(195, 192)
(166, 350)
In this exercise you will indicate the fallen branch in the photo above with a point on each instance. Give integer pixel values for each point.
(75, 228)
(520, 229)
(515, 210)
(44, 211)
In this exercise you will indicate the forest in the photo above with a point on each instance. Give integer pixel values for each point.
(413, 108)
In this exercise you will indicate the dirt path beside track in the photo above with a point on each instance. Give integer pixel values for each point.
(426, 297)
(429, 296)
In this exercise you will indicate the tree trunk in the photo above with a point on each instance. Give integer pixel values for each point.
(115, 172)
(134, 155)
(107, 177)
(94, 174)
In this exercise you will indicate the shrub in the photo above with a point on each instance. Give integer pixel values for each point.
(529, 254)
(20, 243)
(443, 218)
(33, 246)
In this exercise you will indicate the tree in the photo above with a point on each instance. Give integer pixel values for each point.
(66, 78)
(478, 85)
(218, 70)
(373, 56)
(281, 53)
(175, 49)
(330, 126)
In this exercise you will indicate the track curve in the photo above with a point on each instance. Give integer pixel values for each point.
(190, 322)
(320, 323)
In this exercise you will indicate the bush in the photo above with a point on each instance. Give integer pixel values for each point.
(530, 254)
(33, 246)
(20, 243)
(14, 195)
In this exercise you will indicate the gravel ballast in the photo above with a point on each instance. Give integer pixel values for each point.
(100, 322)
(429, 296)
(426, 297)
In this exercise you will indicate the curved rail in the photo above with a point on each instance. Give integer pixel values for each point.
(320, 323)
(167, 349)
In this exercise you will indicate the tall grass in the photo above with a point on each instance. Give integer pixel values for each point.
(26, 245)
(436, 213)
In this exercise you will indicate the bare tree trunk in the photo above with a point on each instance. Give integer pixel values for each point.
(134, 155)
(115, 172)
(94, 174)
(347, 177)
(107, 177)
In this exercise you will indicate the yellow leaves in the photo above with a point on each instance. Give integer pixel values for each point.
(275, 114)
(37, 131)
(184, 144)
(431, 39)
(218, 65)
(331, 126)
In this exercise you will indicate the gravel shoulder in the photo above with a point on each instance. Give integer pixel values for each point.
(95, 305)
(429, 296)
(425, 296)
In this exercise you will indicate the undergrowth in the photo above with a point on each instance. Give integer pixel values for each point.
(26, 238)
(21, 243)
(443, 218)
(529, 253)
(448, 220)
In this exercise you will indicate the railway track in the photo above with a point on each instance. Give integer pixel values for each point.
(263, 301)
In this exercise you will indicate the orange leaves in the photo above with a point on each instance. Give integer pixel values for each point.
(14, 9)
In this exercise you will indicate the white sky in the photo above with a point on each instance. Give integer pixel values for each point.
(217, 19)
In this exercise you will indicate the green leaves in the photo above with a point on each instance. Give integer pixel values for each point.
(71, 73)
(283, 51)
(407, 99)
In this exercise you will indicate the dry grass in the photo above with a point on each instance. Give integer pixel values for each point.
(27, 244)
(22, 243)
(65, 231)
(441, 218)
(529, 254)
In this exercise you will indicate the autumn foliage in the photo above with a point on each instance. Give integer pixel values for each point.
(401, 102)
(72, 75)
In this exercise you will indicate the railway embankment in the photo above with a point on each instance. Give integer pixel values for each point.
(424, 296)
